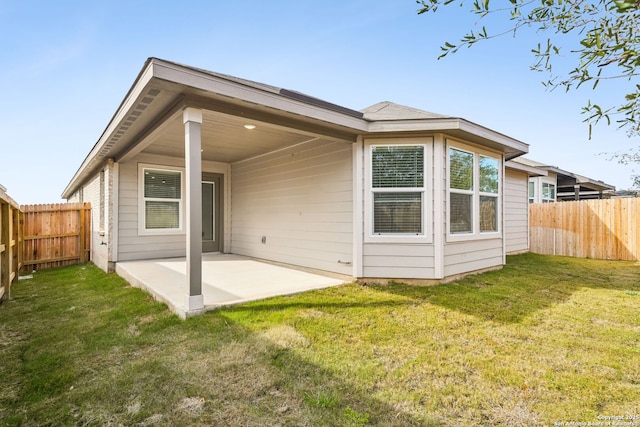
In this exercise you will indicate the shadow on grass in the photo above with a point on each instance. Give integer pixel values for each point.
(90, 350)
(527, 284)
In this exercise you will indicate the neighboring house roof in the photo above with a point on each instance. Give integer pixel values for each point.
(566, 181)
(152, 111)
(520, 164)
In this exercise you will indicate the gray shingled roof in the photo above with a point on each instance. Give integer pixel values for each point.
(391, 111)
(292, 94)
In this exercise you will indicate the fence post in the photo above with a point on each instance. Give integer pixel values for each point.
(5, 266)
(10, 238)
(82, 235)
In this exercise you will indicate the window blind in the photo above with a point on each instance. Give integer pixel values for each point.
(397, 213)
(162, 184)
(460, 170)
(398, 167)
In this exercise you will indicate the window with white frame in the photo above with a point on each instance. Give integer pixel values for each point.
(474, 192)
(489, 186)
(397, 185)
(548, 192)
(532, 192)
(161, 199)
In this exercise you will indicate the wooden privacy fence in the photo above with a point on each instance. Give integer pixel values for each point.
(10, 242)
(56, 235)
(600, 229)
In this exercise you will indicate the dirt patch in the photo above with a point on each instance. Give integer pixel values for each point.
(134, 408)
(285, 337)
(133, 330)
(10, 337)
(192, 406)
(155, 419)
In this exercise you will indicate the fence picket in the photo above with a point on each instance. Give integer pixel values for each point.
(601, 229)
(56, 235)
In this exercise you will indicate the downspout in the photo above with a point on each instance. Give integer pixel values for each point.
(358, 207)
(113, 214)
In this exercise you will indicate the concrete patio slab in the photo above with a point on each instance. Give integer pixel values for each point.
(226, 279)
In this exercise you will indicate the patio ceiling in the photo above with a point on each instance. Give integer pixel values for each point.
(225, 139)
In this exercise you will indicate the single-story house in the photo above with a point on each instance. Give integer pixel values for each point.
(561, 185)
(194, 161)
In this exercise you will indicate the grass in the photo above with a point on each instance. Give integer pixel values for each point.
(546, 340)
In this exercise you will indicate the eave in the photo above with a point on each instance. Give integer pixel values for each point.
(456, 127)
(529, 170)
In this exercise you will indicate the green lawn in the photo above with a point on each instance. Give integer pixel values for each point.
(544, 341)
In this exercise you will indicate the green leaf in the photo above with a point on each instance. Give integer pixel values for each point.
(623, 6)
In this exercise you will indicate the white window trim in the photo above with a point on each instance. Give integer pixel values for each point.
(475, 234)
(142, 231)
(555, 191)
(537, 188)
(427, 215)
(531, 199)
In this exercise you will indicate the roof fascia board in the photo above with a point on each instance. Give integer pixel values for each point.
(94, 157)
(530, 170)
(448, 124)
(233, 89)
(558, 171)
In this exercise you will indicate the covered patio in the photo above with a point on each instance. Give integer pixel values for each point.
(195, 163)
(226, 280)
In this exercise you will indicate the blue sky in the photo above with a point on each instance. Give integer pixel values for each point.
(67, 65)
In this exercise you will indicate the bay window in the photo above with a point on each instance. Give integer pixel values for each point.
(473, 193)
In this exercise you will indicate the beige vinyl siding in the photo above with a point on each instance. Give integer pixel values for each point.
(401, 260)
(398, 261)
(76, 197)
(516, 211)
(131, 246)
(91, 194)
(300, 200)
(472, 255)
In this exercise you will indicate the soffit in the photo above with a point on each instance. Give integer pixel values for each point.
(224, 138)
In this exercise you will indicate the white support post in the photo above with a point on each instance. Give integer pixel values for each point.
(192, 118)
